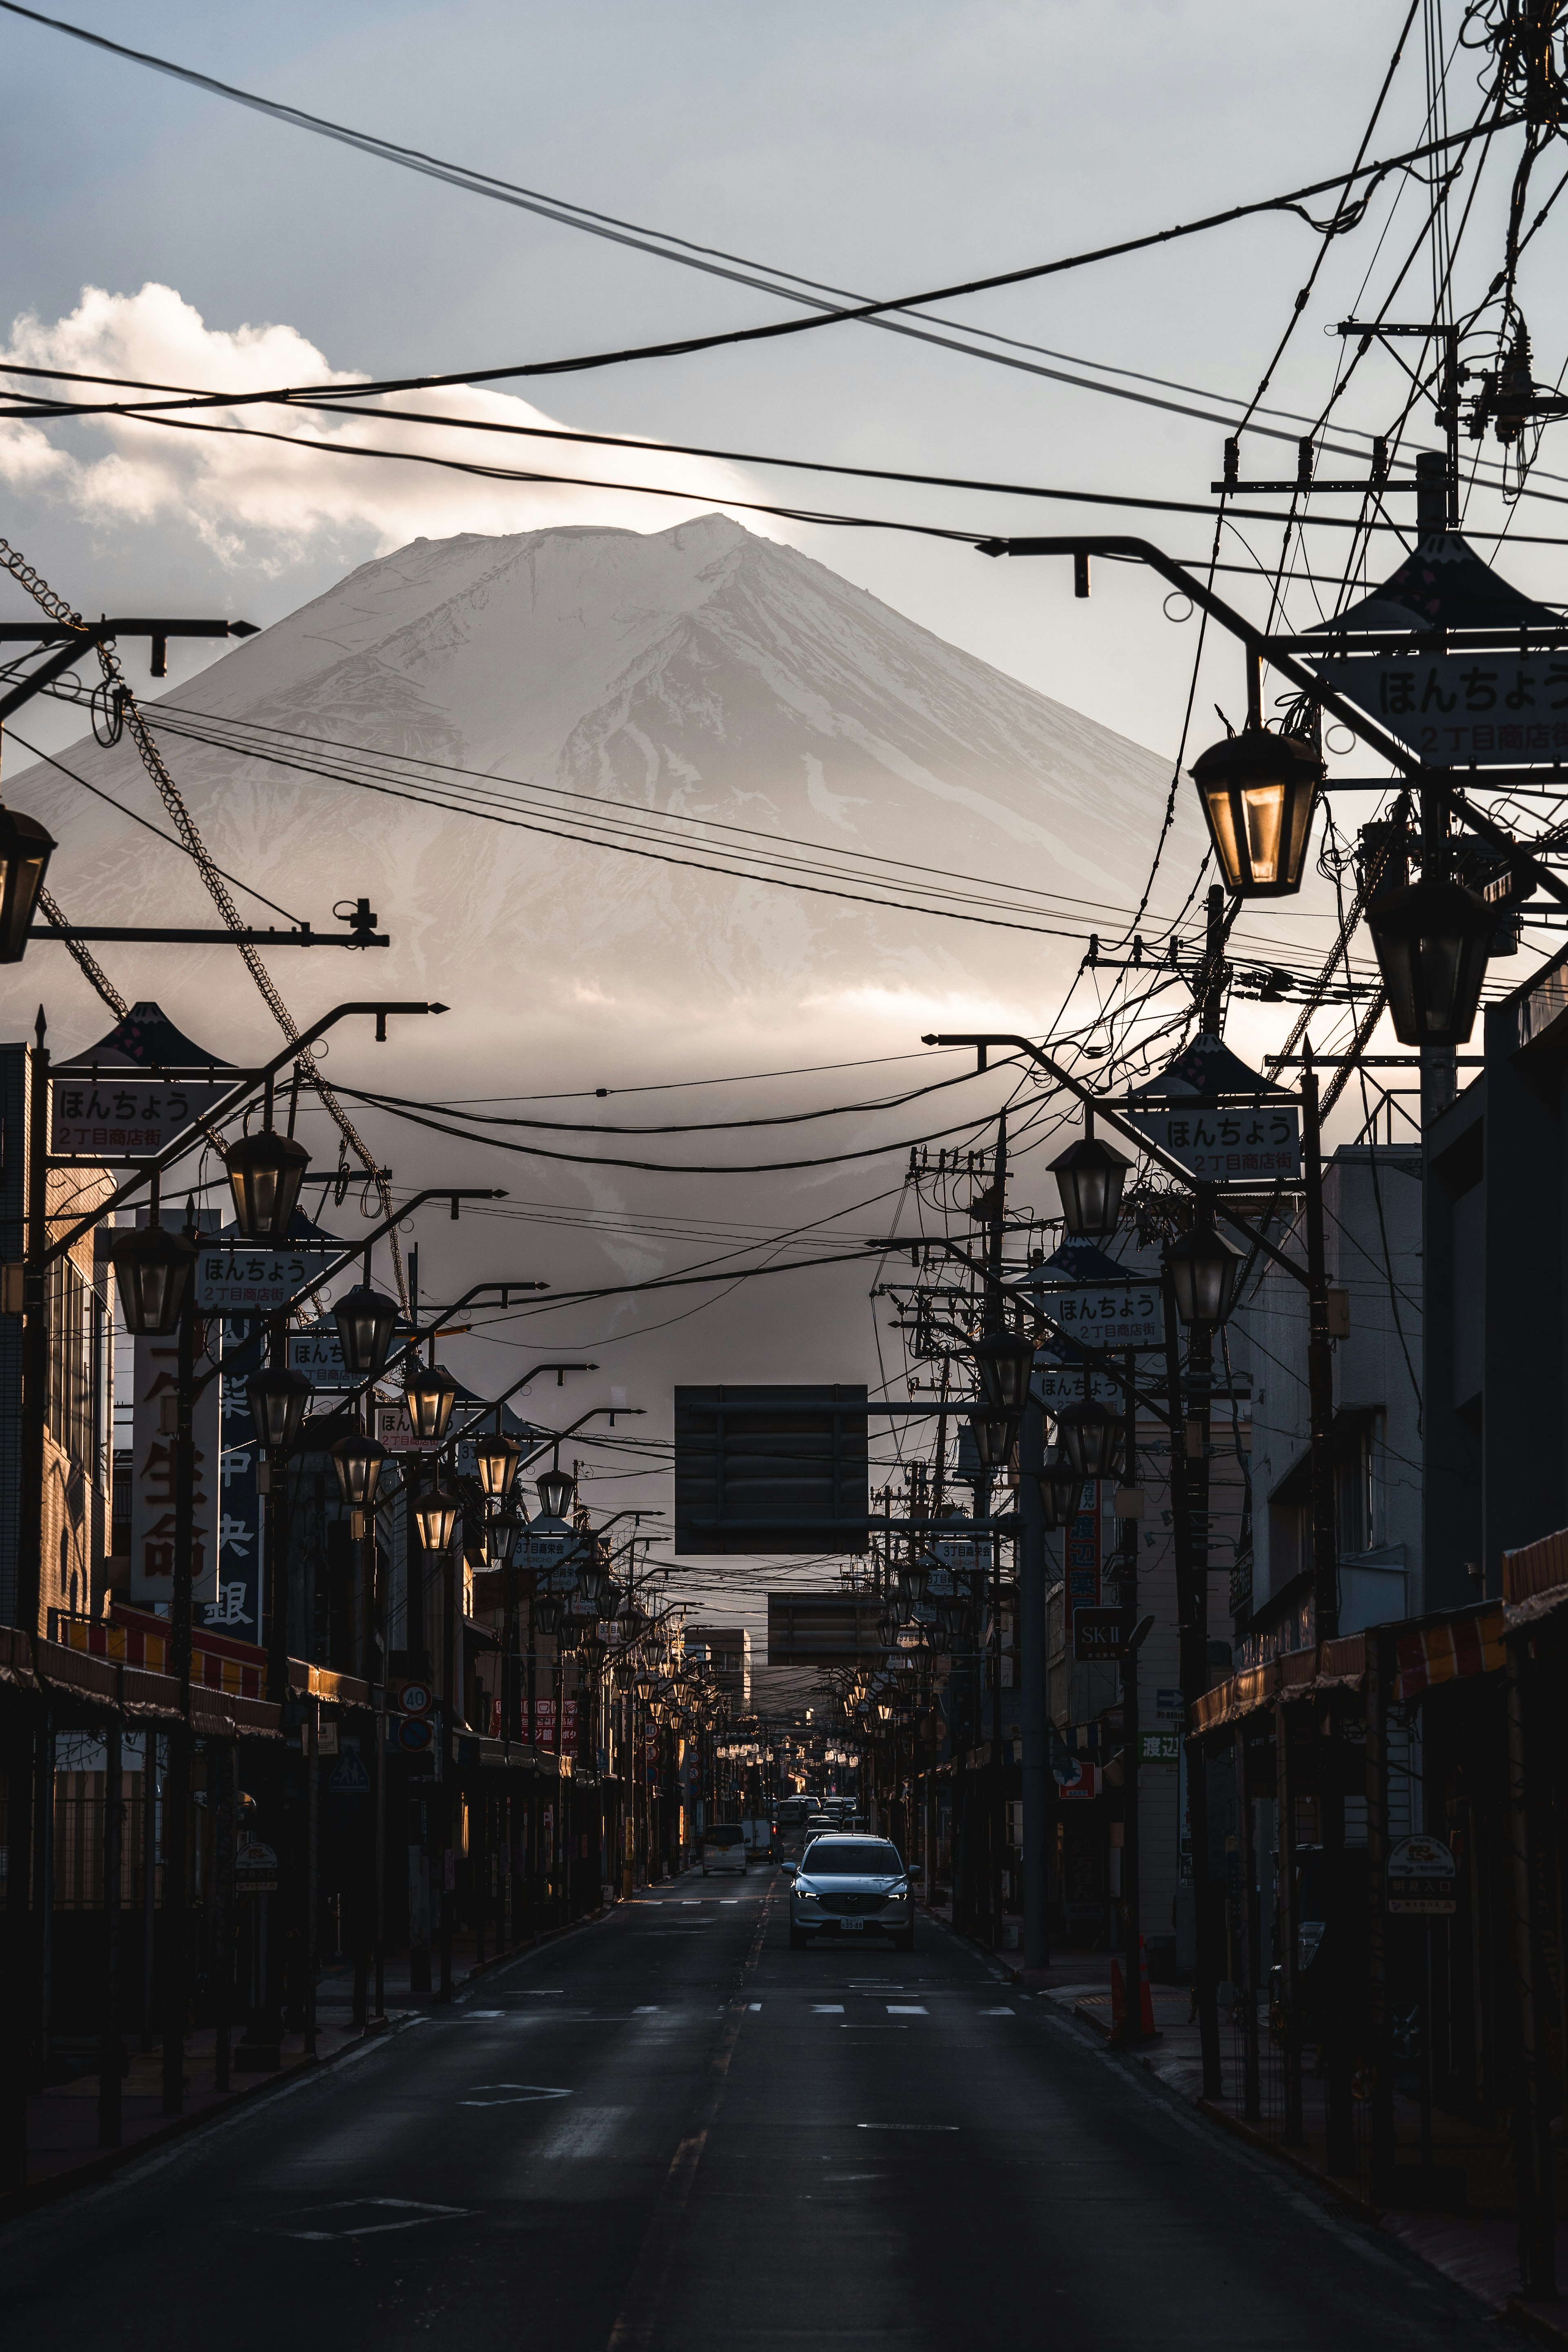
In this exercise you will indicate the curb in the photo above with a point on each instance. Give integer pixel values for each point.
(104, 2165)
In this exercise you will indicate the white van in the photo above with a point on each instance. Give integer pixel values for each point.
(723, 1848)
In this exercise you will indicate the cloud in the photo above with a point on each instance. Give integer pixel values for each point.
(267, 502)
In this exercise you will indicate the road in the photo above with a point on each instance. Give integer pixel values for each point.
(671, 2131)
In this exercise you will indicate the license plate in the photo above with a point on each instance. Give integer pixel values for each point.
(853, 1925)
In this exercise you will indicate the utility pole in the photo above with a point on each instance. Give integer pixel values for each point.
(1033, 1695)
(1190, 1524)
(995, 1313)
(1131, 1912)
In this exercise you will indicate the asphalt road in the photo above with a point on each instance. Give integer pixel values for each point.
(670, 2132)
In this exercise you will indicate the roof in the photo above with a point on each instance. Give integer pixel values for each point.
(146, 1038)
(1442, 583)
(1205, 1072)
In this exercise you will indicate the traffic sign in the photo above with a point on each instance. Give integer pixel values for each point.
(413, 1698)
(415, 1734)
(255, 1868)
(349, 1775)
(1423, 1878)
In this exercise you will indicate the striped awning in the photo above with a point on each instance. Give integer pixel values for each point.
(1447, 1651)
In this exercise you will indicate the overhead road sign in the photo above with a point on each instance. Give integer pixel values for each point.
(825, 1629)
(774, 1468)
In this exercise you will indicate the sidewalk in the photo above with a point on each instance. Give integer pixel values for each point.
(1475, 2245)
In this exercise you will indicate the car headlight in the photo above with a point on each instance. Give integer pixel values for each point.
(898, 1894)
(805, 1894)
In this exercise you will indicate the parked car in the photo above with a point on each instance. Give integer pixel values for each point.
(851, 1887)
(724, 1848)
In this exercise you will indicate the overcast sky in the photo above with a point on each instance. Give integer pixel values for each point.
(880, 148)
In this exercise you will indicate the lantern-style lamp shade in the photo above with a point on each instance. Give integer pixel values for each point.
(430, 1393)
(995, 1434)
(1003, 1363)
(505, 1528)
(1203, 1270)
(593, 1575)
(1089, 1176)
(151, 1271)
(555, 1488)
(1431, 939)
(1258, 792)
(436, 1515)
(913, 1576)
(25, 852)
(1090, 1437)
(266, 1173)
(357, 1461)
(278, 1402)
(366, 1320)
(495, 1458)
(547, 1615)
(1061, 1489)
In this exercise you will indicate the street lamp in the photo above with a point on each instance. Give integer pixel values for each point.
(547, 1615)
(995, 1434)
(1089, 1176)
(505, 1528)
(1431, 939)
(593, 1575)
(1258, 792)
(358, 1462)
(556, 1487)
(430, 1393)
(366, 1319)
(913, 1576)
(265, 1172)
(278, 1400)
(1203, 1270)
(1004, 1361)
(151, 1269)
(495, 1458)
(25, 852)
(1061, 1489)
(1090, 1437)
(436, 1515)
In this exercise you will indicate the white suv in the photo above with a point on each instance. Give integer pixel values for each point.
(724, 1848)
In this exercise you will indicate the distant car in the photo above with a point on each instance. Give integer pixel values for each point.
(851, 1887)
(724, 1848)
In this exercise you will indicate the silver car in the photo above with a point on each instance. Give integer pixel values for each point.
(848, 1886)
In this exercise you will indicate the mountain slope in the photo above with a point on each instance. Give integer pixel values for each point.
(700, 671)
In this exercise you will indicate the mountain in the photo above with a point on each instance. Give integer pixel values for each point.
(700, 672)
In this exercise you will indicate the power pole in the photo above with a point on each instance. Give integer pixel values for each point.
(1131, 1912)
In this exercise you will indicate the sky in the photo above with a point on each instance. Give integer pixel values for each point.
(880, 148)
(157, 231)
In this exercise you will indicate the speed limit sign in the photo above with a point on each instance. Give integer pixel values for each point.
(414, 1698)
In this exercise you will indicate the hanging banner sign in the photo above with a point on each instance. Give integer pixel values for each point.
(154, 1456)
(121, 1117)
(236, 1604)
(1057, 1382)
(1488, 710)
(1081, 1556)
(240, 1278)
(1228, 1146)
(1109, 1314)
(318, 1352)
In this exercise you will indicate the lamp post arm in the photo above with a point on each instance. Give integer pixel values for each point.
(1130, 1134)
(531, 1374)
(235, 1100)
(1256, 640)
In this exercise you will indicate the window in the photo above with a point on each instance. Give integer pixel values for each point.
(78, 1360)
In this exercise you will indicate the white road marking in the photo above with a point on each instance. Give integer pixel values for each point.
(410, 2217)
(941, 2127)
(906, 2009)
(473, 2014)
(510, 2094)
(650, 2008)
(753, 2004)
(998, 2012)
(827, 2009)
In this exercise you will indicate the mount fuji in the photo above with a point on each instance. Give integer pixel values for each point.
(700, 672)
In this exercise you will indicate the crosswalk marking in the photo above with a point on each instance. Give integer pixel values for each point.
(827, 2009)
(999, 2012)
(906, 2009)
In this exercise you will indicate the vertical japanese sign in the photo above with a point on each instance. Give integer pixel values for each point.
(1080, 1554)
(236, 1605)
(154, 1456)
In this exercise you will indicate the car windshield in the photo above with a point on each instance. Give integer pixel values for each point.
(856, 1858)
(722, 1837)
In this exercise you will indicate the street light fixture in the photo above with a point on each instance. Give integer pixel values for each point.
(1061, 1489)
(555, 1488)
(995, 1434)
(265, 1172)
(358, 1462)
(1004, 1361)
(1258, 792)
(1203, 1270)
(547, 1615)
(495, 1458)
(25, 852)
(436, 1515)
(278, 1400)
(430, 1393)
(366, 1319)
(593, 1576)
(1089, 1176)
(1431, 939)
(1090, 1437)
(151, 1269)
